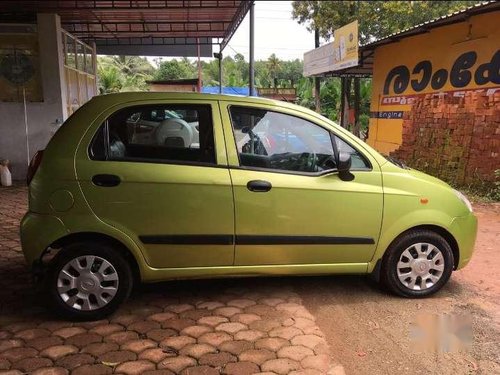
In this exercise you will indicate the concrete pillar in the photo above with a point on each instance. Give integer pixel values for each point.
(39, 118)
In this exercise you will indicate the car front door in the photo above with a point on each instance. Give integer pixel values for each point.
(291, 206)
(158, 171)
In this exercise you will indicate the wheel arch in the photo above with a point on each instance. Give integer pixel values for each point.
(95, 237)
(438, 230)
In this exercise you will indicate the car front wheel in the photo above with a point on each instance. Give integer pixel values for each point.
(88, 281)
(417, 264)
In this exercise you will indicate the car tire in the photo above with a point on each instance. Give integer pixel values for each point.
(88, 281)
(417, 264)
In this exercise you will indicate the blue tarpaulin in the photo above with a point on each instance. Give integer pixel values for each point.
(227, 90)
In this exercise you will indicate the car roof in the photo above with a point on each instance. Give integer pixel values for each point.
(123, 97)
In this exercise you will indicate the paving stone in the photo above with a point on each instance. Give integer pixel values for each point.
(177, 342)
(236, 347)
(309, 372)
(280, 366)
(16, 354)
(257, 356)
(118, 356)
(197, 350)
(75, 360)
(58, 351)
(309, 341)
(178, 324)
(44, 342)
(161, 334)
(249, 335)
(212, 321)
(217, 359)
(177, 364)
(303, 323)
(69, 331)
(144, 326)
(210, 305)
(265, 325)
(196, 331)
(295, 352)
(163, 316)
(106, 329)
(10, 344)
(83, 339)
(54, 325)
(12, 372)
(180, 308)
(137, 346)
(313, 331)
(271, 343)
(240, 368)
(271, 301)
(231, 327)
(154, 355)
(200, 370)
(195, 314)
(4, 364)
(214, 338)
(51, 371)
(285, 332)
(98, 348)
(245, 318)
(158, 372)
(135, 367)
(227, 311)
(241, 303)
(265, 311)
(30, 364)
(30, 334)
(98, 369)
(126, 319)
(122, 337)
(317, 362)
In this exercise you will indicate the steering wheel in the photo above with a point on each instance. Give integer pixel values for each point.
(307, 162)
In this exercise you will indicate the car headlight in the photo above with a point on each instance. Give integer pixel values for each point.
(464, 199)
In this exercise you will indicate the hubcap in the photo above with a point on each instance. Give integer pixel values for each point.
(87, 283)
(420, 266)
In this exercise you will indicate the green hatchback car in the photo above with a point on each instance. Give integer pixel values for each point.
(144, 187)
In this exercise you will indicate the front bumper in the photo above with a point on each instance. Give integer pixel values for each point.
(464, 229)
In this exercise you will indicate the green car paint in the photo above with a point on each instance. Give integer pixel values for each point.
(213, 202)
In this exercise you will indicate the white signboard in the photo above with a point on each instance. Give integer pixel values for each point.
(319, 60)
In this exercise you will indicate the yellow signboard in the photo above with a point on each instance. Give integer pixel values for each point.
(447, 61)
(345, 46)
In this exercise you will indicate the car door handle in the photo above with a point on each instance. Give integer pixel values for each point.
(106, 180)
(259, 186)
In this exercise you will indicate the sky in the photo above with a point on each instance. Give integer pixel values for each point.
(275, 32)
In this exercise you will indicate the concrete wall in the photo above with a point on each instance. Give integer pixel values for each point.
(41, 117)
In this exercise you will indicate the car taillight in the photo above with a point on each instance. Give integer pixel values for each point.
(34, 164)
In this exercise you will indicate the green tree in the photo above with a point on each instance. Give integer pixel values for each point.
(123, 73)
(175, 69)
(377, 19)
(274, 67)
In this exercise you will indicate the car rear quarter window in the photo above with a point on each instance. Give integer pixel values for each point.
(157, 133)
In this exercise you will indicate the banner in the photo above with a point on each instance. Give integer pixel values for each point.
(345, 46)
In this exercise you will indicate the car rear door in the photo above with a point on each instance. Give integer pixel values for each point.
(158, 172)
(289, 208)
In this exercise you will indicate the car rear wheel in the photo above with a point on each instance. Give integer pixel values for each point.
(417, 264)
(88, 281)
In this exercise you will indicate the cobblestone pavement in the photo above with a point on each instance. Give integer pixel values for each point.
(231, 326)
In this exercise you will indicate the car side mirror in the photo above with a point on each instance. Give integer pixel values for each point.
(344, 166)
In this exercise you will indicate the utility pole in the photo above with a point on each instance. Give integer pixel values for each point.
(317, 82)
(251, 75)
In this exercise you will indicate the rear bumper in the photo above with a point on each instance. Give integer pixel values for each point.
(464, 229)
(38, 232)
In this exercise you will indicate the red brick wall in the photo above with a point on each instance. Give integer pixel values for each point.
(454, 138)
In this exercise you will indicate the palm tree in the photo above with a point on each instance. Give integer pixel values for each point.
(109, 79)
(274, 67)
